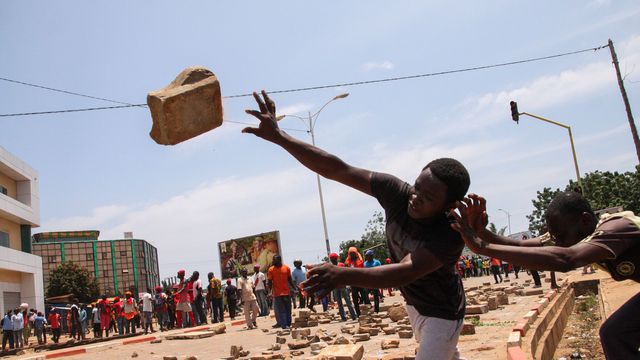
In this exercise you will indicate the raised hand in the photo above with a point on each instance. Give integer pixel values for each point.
(464, 226)
(268, 128)
(476, 207)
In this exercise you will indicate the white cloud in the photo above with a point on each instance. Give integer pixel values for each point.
(380, 65)
(98, 218)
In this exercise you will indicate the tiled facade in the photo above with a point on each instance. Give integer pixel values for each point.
(119, 265)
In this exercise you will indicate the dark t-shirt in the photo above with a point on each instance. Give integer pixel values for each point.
(620, 235)
(438, 294)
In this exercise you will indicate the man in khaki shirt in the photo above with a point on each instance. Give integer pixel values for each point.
(249, 299)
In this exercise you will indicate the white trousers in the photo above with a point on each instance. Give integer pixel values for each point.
(438, 338)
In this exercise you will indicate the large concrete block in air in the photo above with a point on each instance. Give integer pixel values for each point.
(189, 106)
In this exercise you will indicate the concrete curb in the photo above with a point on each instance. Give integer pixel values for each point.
(64, 353)
(514, 342)
(140, 340)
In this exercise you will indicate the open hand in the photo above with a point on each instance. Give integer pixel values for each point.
(477, 212)
(268, 128)
(464, 226)
(321, 279)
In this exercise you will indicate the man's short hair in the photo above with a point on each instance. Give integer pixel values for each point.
(569, 203)
(453, 174)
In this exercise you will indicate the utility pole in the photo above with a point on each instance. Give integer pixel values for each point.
(625, 99)
(324, 216)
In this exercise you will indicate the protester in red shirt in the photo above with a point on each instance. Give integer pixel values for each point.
(105, 314)
(117, 310)
(54, 321)
(340, 293)
(354, 260)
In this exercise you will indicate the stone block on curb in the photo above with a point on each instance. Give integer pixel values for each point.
(514, 339)
(522, 327)
(531, 316)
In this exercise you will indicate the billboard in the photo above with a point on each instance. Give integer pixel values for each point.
(247, 251)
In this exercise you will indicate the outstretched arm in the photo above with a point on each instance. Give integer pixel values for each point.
(324, 278)
(554, 258)
(314, 158)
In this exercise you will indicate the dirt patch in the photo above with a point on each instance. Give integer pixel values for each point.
(580, 339)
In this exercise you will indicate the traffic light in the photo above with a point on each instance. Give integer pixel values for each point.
(515, 115)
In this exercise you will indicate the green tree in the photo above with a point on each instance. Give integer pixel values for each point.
(540, 204)
(603, 190)
(70, 278)
(610, 189)
(374, 234)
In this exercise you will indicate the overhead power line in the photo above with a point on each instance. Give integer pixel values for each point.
(65, 92)
(310, 88)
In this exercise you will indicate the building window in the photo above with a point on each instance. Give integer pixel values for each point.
(105, 255)
(90, 257)
(51, 259)
(123, 253)
(4, 239)
(3, 190)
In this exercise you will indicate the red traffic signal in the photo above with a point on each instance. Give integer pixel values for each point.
(515, 115)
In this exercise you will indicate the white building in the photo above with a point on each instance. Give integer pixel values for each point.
(20, 271)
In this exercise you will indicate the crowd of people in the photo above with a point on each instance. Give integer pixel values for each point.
(19, 324)
(190, 302)
(476, 265)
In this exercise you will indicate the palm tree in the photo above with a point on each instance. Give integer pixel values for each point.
(494, 229)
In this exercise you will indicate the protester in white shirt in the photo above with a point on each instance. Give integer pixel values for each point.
(18, 324)
(260, 288)
(147, 311)
(245, 285)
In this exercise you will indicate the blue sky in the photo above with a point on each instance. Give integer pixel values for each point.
(101, 170)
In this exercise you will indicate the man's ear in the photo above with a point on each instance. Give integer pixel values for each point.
(588, 220)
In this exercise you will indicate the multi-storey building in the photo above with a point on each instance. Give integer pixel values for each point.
(20, 271)
(119, 265)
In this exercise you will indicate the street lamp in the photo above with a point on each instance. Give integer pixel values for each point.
(508, 219)
(515, 115)
(310, 121)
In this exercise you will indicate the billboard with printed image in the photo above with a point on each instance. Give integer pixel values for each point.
(245, 252)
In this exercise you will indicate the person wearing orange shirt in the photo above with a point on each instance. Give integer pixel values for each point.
(281, 283)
